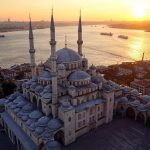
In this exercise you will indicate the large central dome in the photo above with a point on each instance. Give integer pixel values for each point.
(67, 55)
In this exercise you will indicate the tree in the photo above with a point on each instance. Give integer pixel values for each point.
(1, 93)
(8, 87)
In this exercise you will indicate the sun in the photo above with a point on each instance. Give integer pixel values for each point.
(139, 10)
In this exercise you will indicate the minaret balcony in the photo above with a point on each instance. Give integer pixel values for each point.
(52, 42)
(79, 42)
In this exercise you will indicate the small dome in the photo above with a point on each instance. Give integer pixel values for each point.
(52, 145)
(33, 86)
(29, 122)
(21, 104)
(134, 92)
(47, 135)
(28, 107)
(67, 55)
(39, 130)
(47, 95)
(92, 67)
(97, 79)
(18, 99)
(79, 75)
(25, 118)
(35, 114)
(43, 121)
(61, 67)
(45, 75)
(123, 100)
(141, 108)
(66, 106)
(85, 60)
(54, 124)
(39, 89)
(107, 87)
(135, 103)
(16, 110)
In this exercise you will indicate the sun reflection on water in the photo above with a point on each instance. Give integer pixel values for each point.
(136, 48)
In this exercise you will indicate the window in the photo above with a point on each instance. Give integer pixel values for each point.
(79, 116)
(69, 119)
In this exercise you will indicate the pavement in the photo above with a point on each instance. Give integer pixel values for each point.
(120, 134)
(5, 143)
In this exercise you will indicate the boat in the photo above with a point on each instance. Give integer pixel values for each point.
(123, 37)
(106, 33)
(2, 36)
(147, 30)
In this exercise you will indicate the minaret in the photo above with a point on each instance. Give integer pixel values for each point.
(80, 41)
(32, 50)
(53, 68)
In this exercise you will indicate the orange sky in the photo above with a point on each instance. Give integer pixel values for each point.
(68, 10)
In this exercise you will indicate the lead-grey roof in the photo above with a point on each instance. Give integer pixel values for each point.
(88, 104)
(66, 55)
(79, 75)
(25, 140)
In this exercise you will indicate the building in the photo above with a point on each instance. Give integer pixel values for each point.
(64, 99)
(143, 86)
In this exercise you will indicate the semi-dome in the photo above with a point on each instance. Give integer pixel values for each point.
(35, 114)
(97, 79)
(67, 55)
(79, 75)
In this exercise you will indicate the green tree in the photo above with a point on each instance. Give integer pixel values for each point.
(8, 87)
(1, 93)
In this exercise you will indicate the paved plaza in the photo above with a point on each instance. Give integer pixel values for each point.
(5, 143)
(119, 135)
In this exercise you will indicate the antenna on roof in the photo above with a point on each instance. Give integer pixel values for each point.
(143, 56)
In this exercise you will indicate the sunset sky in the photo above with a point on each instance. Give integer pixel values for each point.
(68, 10)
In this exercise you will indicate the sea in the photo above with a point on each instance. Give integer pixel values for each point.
(99, 49)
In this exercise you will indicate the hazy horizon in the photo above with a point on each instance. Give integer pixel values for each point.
(68, 10)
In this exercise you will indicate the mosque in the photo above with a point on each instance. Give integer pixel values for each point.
(64, 99)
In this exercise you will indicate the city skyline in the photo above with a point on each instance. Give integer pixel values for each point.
(96, 10)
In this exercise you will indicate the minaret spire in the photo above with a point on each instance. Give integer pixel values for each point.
(65, 41)
(53, 68)
(31, 49)
(80, 41)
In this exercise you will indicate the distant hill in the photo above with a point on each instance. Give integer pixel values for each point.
(138, 25)
(17, 26)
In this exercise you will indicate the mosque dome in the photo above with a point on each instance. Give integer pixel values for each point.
(85, 60)
(67, 55)
(79, 75)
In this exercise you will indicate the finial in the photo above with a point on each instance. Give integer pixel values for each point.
(29, 17)
(65, 41)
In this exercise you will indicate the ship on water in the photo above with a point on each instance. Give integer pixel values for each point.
(106, 33)
(123, 37)
(2, 36)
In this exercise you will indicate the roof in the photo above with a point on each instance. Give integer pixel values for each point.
(79, 75)
(25, 140)
(66, 55)
(88, 104)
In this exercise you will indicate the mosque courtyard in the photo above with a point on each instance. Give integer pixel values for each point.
(121, 134)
